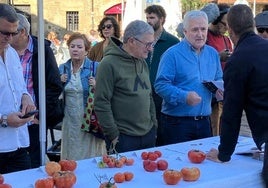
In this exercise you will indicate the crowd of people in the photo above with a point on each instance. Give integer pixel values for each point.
(148, 84)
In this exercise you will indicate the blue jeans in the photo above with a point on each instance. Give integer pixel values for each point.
(131, 143)
(182, 129)
(14, 161)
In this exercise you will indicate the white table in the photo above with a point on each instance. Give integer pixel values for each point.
(241, 171)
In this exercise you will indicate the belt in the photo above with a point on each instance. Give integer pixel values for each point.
(196, 118)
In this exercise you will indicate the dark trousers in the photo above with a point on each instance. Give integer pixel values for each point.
(182, 129)
(131, 143)
(265, 166)
(34, 149)
(158, 105)
(14, 161)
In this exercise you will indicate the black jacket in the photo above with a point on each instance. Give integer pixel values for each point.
(246, 88)
(52, 79)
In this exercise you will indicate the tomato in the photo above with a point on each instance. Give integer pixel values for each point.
(172, 177)
(119, 163)
(52, 167)
(64, 179)
(111, 163)
(149, 166)
(159, 153)
(44, 183)
(2, 179)
(68, 165)
(144, 155)
(129, 161)
(107, 185)
(128, 176)
(5, 185)
(152, 156)
(123, 159)
(119, 177)
(190, 174)
(196, 156)
(162, 164)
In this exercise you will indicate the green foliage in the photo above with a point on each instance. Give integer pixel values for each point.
(192, 5)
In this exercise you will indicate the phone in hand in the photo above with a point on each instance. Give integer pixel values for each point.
(29, 114)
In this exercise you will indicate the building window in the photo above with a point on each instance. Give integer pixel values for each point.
(72, 20)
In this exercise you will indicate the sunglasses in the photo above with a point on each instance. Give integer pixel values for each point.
(108, 26)
(147, 45)
(7, 34)
(261, 30)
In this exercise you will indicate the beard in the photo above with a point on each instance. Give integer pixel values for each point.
(156, 26)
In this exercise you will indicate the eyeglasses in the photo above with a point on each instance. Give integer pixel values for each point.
(108, 26)
(147, 45)
(261, 30)
(223, 23)
(7, 34)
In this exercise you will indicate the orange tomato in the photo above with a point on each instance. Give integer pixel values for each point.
(128, 176)
(52, 167)
(119, 177)
(190, 174)
(172, 177)
(44, 183)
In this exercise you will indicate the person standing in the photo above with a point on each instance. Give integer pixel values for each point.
(156, 17)
(14, 99)
(107, 28)
(218, 39)
(76, 76)
(27, 49)
(123, 96)
(245, 87)
(261, 22)
(183, 67)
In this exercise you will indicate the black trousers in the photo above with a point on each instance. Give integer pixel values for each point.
(265, 166)
(34, 149)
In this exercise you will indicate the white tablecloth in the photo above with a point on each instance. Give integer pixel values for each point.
(241, 171)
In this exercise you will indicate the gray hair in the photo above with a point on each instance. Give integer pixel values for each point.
(137, 29)
(193, 14)
(23, 23)
(8, 13)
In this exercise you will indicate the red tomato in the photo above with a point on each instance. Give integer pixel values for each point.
(119, 163)
(190, 174)
(2, 179)
(44, 183)
(5, 185)
(119, 177)
(159, 153)
(144, 155)
(64, 179)
(162, 164)
(149, 166)
(196, 156)
(152, 156)
(129, 161)
(172, 177)
(128, 176)
(68, 165)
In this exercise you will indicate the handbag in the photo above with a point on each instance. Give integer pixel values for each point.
(90, 123)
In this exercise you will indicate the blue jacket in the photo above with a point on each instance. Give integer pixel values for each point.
(85, 74)
(181, 70)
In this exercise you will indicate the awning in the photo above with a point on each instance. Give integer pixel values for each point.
(116, 9)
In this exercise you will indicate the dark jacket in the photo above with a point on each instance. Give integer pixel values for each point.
(53, 83)
(246, 88)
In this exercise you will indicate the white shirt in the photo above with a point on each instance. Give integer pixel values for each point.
(12, 87)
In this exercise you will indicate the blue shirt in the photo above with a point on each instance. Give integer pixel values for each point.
(182, 70)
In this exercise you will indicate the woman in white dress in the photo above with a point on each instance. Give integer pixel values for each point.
(76, 76)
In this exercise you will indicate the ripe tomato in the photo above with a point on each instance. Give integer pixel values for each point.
(123, 159)
(149, 166)
(2, 179)
(159, 153)
(190, 174)
(196, 156)
(64, 179)
(162, 164)
(128, 176)
(52, 167)
(129, 161)
(119, 177)
(152, 156)
(172, 177)
(144, 155)
(68, 165)
(5, 185)
(119, 163)
(108, 185)
(44, 183)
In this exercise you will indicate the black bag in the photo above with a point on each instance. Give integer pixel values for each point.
(55, 112)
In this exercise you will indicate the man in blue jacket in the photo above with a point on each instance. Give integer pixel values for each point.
(245, 87)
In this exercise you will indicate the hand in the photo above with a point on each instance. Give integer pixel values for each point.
(224, 55)
(14, 120)
(219, 95)
(193, 98)
(27, 104)
(92, 81)
(63, 77)
(213, 155)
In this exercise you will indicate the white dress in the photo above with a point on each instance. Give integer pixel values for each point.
(77, 144)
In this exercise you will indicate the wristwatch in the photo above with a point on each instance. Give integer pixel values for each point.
(4, 120)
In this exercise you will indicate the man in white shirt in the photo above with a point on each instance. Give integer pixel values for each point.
(14, 99)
